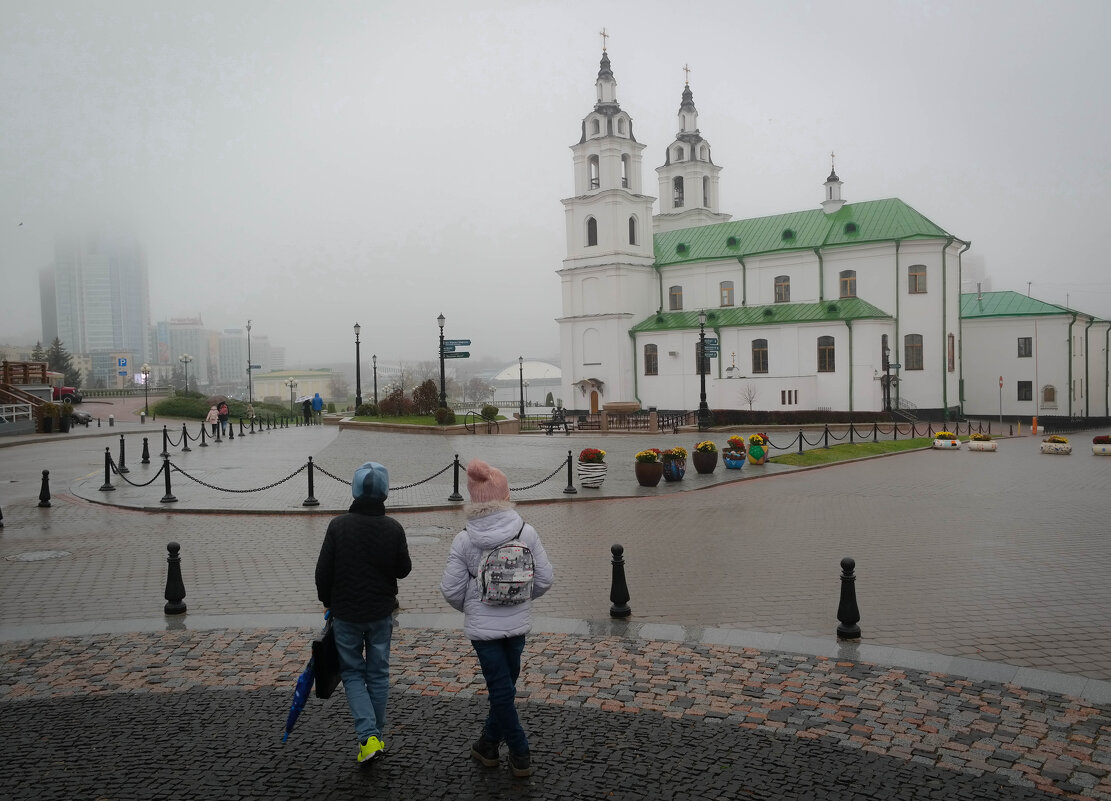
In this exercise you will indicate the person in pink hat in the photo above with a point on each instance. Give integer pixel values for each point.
(497, 615)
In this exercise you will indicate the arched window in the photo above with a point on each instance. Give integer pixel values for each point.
(705, 192)
(726, 289)
(826, 354)
(595, 180)
(916, 279)
(678, 154)
(912, 352)
(621, 125)
(592, 346)
(677, 192)
(848, 283)
(759, 355)
(783, 289)
(595, 127)
(651, 360)
(632, 230)
(591, 232)
(704, 153)
(1049, 397)
(625, 171)
(675, 298)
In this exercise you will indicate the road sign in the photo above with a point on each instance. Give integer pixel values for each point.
(711, 341)
(457, 342)
(448, 348)
(895, 366)
(123, 372)
(710, 354)
(459, 354)
(254, 367)
(122, 363)
(1001, 382)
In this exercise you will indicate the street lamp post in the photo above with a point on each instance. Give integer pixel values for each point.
(521, 367)
(292, 384)
(250, 383)
(703, 409)
(145, 370)
(443, 387)
(526, 394)
(185, 359)
(374, 361)
(358, 372)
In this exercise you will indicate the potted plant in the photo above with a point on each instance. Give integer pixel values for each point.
(946, 440)
(758, 448)
(1056, 444)
(65, 417)
(734, 453)
(49, 416)
(649, 469)
(1101, 445)
(705, 456)
(675, 463)
(981, 442)
(592, 467)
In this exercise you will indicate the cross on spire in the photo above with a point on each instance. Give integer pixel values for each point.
(687, 75)
(604, 36)
(832, 157)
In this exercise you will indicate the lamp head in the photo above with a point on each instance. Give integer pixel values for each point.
(702, 317)
(441, 320)
(358, 328)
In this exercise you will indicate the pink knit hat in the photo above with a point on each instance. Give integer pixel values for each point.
(486, 483)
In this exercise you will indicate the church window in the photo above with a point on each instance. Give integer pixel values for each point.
(1025, 391)
(675, 298)
(848, 283)
(916, 279)
(632, 230)
(591, 232)
(759, 355)
(703, 153)
(826, 354)
(625, 172)
(912, 352)
(678, 154)
(1049, 397)
(1025, 347)
(595, 181)
(726, 288)
(621, 125)
(706, 192)
(677, 192)
(651, 360)
(783, 289)
(595, 127)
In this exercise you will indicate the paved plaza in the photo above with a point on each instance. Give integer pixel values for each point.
(984, 670)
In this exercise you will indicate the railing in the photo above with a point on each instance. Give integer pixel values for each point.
(634, 421)
(13, 412)
(471, 421)
(907, 409)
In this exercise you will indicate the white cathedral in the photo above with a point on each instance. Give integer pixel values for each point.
(846, 306)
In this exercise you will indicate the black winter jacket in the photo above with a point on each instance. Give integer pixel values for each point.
(363, 555)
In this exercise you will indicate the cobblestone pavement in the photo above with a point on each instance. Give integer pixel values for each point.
(989, 570)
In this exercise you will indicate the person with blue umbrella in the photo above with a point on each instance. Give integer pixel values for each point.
(363, 555)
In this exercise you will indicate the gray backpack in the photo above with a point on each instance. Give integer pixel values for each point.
(505, 573)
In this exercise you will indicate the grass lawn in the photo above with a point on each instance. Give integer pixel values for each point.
(840, 453)
(409, 420)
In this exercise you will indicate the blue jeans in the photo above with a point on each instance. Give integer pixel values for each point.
(501, 665)
(366, 681)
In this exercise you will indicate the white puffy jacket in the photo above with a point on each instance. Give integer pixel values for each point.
(490, 525)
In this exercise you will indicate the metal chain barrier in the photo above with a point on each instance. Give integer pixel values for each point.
(541, 481)
(115, 470)
(836, 438)
(320, 469)
(196, 480)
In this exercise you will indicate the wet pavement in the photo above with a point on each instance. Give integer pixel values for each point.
(982, 672)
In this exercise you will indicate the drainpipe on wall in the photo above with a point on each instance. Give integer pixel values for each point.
(1106, 375)
(1071, 391)
(897, 344)
(849, 325)
(744, 281)
(660, 276)
(636, 383)
(944, 318)
(960, 326)
(717, 333)
(821, 275)
(1087, 374)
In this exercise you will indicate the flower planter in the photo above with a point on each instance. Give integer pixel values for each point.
(757, 454)
(734, 460)
(947, 444)
(674, 469)
(1058, 448)
(704, 462)
(1101, 450)
(989, 445)
(648, 473)
(592, 474)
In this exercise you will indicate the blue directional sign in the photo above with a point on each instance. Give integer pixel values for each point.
(711, 341)
(711, 353)
(461, 354)
(456, 342)
(448, 348)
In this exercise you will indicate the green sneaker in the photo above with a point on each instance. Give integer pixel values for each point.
(370, 750)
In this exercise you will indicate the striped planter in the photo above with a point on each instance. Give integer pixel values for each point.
(947, 444)
(592, 474)
(989, 445)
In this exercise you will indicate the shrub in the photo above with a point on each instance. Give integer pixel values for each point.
(445, 417)
(331, 408)
(490, 411)
(367, 410)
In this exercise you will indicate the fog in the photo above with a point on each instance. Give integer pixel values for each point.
(312, 165)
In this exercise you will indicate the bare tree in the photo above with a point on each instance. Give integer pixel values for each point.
(749, 395)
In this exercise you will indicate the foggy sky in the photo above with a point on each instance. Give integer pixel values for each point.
(310, 165)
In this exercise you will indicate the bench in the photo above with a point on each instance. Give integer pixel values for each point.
(556, 421)
(586, 423)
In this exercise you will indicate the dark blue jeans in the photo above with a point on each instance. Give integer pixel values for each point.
(501, 665)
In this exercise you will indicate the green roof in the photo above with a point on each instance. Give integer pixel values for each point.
(855, 223)
(1005, 304)
(772, 314)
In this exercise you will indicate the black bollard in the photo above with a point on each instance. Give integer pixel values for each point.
(231, 431)
(185, 438)
(240, 426)
(801, 441)
(619, 590)
(311, 500)
(169, 496)
(146, 452)
(570, 488)
(826, 444)
(44, 492)
(847, 611)
(98, 422)
(175, 586)
(252, 425)
(123, 461)
(455, 496)
(218, 433)
(107, 486)
(1, 518)
(165, 442)
(875, 432)
(203, 443)
(851, 440)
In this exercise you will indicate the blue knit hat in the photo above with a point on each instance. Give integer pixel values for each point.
(371, 482)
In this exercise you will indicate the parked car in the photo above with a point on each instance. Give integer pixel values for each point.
(81, 417)
(62, 394)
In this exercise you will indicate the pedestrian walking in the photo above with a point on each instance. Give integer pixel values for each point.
(363, 555)
(306, 410)
(497, 603)
(317, 407)
(213, 419)
(222, 414)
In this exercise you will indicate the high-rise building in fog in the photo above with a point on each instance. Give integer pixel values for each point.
(95, 297)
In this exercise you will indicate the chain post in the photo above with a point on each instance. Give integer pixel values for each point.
(123, 461)
(165, 442)
(175, 586)
(169, 496)
(107, 486)
(619, 588)
(570, 488)
(146, 452)
(311, 500)
(847, 611)
(44, 491)
(455, 496)
(185, 438)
